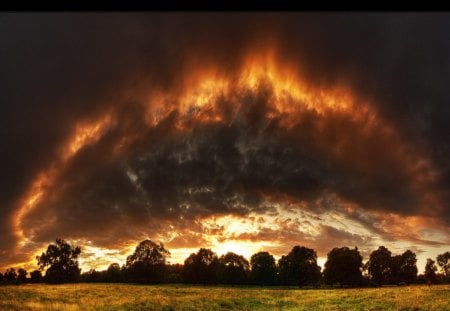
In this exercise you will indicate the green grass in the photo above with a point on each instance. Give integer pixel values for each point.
(184, 297)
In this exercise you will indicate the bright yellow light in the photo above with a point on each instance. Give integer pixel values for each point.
(244, 248)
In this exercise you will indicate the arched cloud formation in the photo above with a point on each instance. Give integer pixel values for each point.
(120, 126)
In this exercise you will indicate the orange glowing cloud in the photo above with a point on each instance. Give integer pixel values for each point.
(212, 96)
(84, 134)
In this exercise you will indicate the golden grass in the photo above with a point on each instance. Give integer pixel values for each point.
(184, 297)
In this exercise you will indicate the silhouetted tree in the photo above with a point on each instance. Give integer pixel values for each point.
(148, 263)
(233, 269)
(175, 273)
(10, 275)
(421, 279)
(386, 269)
(93, 276)
(62, 260)
(113, 273)
(299, 267)
(408, 268)
(36, 276)
(379, 265)
(343, 267)
(22, 275)
(263, 269)
(201, 267)
(430, 271)
(443, 260)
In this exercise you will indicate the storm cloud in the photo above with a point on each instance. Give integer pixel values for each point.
(119, 126)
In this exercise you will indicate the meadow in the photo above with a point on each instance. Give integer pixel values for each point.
(184, 297)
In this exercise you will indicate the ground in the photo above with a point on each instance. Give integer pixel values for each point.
(184, 297)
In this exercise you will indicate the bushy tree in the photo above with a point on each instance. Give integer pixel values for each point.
(148, 263)
(36, 276)
(10, 275)
(62, 262)
(384, 268)
(379, 265)
(343, 267)
(233, 269)
(443, 260)
(113, 273)
(175, 273)
(299, 267)
(201, 267)
(92, 276)
(430, 271)
(408, 267)
(22, 275)
(263, 269)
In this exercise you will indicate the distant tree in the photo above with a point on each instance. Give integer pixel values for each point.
(379, 266)
(233, 269)
(421, 279)
(84, 276)
(92, 276)
(299, 267)
(10, 275)
(2, 279)
(175, 273)
(365, 279)
(22, 275)
(343, 267)
(113, 273)
(263, 269)
(148, 263)
(443, 260)
(36, 276)
(62, 260)
(201, 267)
(430, 271)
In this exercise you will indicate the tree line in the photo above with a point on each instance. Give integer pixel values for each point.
(149, 265)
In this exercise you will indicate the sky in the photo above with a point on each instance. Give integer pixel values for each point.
(240, 132)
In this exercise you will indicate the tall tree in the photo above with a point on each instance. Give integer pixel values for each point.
(148, 263)
(299, 267)
(62, 262)
(379, 265)
(408, 268)
(201, 267)
(233, 269)
(430, 271)
(263, 269)
(343, 267)
(443, 260)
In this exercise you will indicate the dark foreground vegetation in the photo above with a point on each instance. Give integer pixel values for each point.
(148, 265)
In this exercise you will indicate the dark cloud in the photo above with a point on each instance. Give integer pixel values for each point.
(220, 168)
(62, 69)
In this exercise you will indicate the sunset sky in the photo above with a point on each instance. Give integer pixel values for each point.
(238, 132)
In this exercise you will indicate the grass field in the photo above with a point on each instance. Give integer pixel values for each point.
(183, 297)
